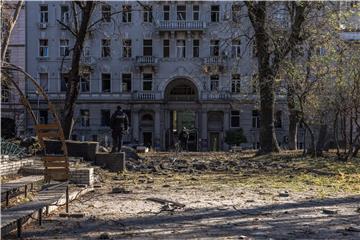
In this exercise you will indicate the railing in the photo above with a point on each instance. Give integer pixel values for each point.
(221, 95)
(214, 61)
(181, 25)
(146, 96)
(146, 60)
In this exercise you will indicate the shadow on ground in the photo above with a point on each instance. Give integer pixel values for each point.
(300, 220)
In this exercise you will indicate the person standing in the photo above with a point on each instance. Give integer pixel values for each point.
(119, 125)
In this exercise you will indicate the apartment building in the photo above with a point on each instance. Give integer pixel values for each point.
(169, 64)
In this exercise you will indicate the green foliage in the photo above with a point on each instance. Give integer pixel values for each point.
(235, 137)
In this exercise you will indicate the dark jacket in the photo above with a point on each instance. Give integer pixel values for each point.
(119, 121)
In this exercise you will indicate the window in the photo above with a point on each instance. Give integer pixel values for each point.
(148, 17)
(105, 48)
(196, 12)
(85, 117)
(181, 12)
(127, 48)
(86, 51)
(235, 119)
(236, 13)
(43, 116)
(214, 48)
(44, 14)
(64, 11)
(147, 81)
(106, 82)
(278, 119)
(180, 48)
(255, 119)
(105, 118)
(147, 47)
(64, 78)
(214, 82)
(44, 48)
(106, 12)
(166, 48)
(126, 15)
(43, 80)
(166, 12)
(64, 47)
(235, 83)
(215, 13)
(85, 82)
(126, 82)
(196, 48)
(236, 48)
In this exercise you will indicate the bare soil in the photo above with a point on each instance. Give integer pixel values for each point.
(273, 197)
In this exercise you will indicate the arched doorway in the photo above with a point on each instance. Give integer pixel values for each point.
(180, 95)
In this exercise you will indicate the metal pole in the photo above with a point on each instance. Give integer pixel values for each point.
(67, 199)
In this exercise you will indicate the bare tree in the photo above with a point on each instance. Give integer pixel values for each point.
(272, 50)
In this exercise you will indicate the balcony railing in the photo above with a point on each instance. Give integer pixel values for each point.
(221, 95)
(181, 25)
(146, 96)
(146, 60)
(214, 61)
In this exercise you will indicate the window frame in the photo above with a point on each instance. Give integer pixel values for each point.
(180, 13)
(85, 118)
(235, 116)
(88, 81)
(127, 49)
(64, 49)
(147, 14)
(180, 48)
(106, 13)
(126, 13)
(106, 48)
(44, 14)
(147, 48)
(235, 83)
(166, 13)
(145, 81)
(255, 118)
(197, 47)
(214, 48)
(166, 48)
(214, 82)
(236, 48)
(44, 48)
(196, 12)
(214, 14)
(122, 83)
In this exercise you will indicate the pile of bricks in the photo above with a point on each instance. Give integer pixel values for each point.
(82, 176)
(8, 166)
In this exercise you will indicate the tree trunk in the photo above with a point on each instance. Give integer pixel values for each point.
(72, 91)
(6, 33)
(321, 139)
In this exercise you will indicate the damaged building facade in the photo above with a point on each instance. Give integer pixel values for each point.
(169, 65)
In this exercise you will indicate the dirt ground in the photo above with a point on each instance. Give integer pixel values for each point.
(273, 197)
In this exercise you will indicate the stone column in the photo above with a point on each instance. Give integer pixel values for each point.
(135, 125)
(157, 134)
(204, 131)
(226, 127)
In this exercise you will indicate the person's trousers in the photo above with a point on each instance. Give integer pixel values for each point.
(117, 142)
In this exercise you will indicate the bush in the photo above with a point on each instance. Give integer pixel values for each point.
(235, 137)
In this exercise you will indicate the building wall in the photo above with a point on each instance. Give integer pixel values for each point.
(165, 70)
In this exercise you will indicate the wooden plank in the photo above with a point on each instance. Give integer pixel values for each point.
(49, 158)
(21, 182)
(50, 126)
(50, 134)
(56, 164)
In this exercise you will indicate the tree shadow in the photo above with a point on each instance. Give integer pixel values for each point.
(300, 220)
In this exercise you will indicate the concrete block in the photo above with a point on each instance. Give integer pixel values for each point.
(115, 162)
(86, 150)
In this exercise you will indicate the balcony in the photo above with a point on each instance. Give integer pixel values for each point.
(214, 65)
(146, 61)
(219, 95)
(181, 26)
(146, 96)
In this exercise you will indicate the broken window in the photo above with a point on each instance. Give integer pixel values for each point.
(85, 117)
(127, 48)
(214, 48)
(214, 82)
(181, 12)
(126, 82)
(126, 15)
(215, 13)
(106, 82)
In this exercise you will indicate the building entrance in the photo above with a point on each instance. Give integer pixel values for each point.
(184, 121)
